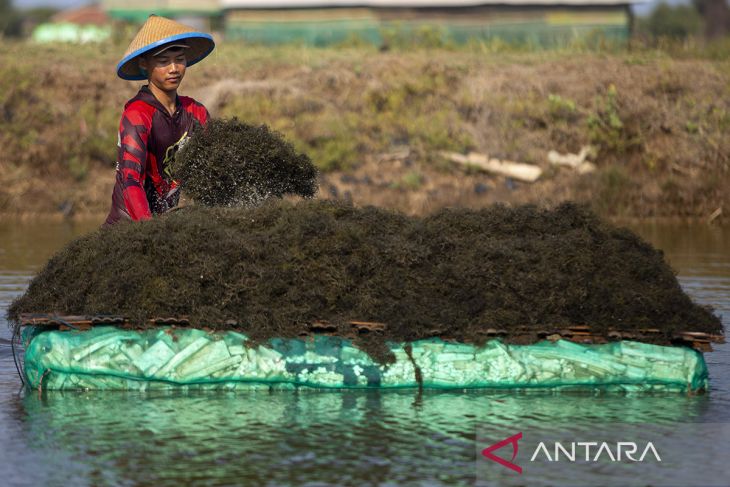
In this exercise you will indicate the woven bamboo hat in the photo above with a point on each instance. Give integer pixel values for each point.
(154, 34)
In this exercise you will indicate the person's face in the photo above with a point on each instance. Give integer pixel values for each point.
(167, 69)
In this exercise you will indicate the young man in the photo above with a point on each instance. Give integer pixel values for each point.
(156, 121)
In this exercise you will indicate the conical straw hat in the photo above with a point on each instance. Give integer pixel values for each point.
(156, 32)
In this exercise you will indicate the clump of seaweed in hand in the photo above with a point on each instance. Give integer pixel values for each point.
(231, 163)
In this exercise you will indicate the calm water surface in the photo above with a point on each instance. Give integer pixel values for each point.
(308, 438)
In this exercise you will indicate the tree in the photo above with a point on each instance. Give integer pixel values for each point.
(716, 15)
(15, 23)
(9, 19)
(677, 22)
(6, 11)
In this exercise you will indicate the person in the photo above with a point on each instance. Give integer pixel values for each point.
(157, 121)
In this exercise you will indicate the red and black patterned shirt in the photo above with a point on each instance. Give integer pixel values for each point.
(148, 139)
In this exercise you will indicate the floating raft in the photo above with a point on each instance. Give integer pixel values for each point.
(83, 354)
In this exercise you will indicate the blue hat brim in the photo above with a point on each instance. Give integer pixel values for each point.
(128, 69)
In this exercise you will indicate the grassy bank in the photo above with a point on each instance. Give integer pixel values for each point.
(375, 122)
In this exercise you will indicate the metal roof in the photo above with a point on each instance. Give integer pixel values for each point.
(266, 4)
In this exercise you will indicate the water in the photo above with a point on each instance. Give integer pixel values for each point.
(310, 438)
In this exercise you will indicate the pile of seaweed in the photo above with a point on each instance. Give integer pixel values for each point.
(276, 269)
(231, 163)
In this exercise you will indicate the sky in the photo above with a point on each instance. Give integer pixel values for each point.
(639, 9)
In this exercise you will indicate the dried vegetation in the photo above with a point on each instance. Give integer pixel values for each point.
(658, 122)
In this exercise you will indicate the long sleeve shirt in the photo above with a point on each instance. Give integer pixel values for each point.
(149, 137)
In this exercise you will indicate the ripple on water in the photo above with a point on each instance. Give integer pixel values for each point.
(335, 438)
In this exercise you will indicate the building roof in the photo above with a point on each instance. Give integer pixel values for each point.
(140, 9)
(88, 15)
(413, 3)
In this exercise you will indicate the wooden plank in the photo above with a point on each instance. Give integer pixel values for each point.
(516, 170)
(367, 326)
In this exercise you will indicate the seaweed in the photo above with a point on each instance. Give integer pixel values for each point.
(277, 268)
(230, 163)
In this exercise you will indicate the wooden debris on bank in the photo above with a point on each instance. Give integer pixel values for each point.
(528, 173)
(714, 216)
(575, 161)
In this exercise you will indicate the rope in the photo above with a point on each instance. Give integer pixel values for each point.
(65, 323)
(17, 361)
(16, 334)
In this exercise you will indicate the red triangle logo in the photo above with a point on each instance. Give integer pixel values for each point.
(489, 452)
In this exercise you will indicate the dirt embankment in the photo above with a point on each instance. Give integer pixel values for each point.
(375, 123)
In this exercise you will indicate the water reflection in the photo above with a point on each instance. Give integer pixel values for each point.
(290, 437)
(700, 254)
(338, 438)
(26, 246)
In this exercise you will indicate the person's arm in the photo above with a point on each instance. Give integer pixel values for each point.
(134, 130)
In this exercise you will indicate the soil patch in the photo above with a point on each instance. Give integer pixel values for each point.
(276, 269)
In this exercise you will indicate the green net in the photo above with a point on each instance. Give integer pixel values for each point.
(107, 357)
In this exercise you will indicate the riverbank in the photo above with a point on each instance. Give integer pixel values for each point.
(375, 123)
